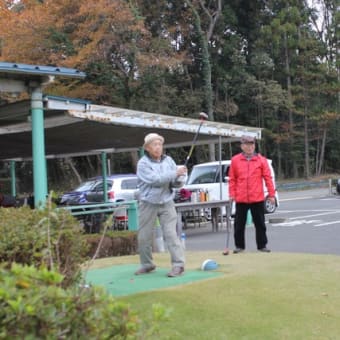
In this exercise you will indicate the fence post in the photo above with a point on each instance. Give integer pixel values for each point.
(249, 221)
(133, 216)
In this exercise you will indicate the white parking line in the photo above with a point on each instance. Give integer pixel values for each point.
(321, 214)
(294, 198)
(327, 223)
(302, 211)
(294, 223)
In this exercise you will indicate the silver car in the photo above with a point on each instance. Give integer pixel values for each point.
(122, 187)
(119, 188)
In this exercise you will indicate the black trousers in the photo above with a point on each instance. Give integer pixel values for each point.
(257, 212)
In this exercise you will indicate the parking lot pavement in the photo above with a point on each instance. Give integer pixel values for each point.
(303, 238)
(203, 238)
(300, 239)
(300, 194)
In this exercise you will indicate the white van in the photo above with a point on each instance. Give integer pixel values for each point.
(213, 176)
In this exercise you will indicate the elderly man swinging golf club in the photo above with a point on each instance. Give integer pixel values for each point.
(157, 175)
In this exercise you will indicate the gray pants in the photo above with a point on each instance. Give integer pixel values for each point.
(167, 215)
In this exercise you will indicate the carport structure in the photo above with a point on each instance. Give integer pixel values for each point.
(48, 127)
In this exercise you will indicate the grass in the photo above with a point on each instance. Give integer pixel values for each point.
(260, 296)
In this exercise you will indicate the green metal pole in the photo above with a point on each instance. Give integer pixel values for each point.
(249, 222)
(104, 174)
(133, 208)
(38, 148)
(13, 179)
(133, 216)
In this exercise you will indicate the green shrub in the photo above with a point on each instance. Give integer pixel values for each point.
(43, 237)
(34, 306)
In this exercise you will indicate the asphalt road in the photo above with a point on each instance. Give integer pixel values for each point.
(306, 221)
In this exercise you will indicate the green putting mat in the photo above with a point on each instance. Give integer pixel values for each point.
(120, 279)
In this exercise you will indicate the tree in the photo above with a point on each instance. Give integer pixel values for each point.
(257, 63)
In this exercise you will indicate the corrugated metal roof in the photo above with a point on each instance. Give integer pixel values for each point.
(76, 127)
(141, 119)
(25, 69)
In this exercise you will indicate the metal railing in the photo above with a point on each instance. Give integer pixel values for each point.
(303, 185)
(330, 183)
(107, 208)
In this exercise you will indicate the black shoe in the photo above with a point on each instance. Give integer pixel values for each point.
(238, 250)
(264, 250)
(145, 270)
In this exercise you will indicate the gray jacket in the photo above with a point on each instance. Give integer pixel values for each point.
(156, 179)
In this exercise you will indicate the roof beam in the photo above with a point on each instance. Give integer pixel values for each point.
(132, 118)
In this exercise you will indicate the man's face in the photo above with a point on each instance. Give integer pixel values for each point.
(155, 149)
(248, 148)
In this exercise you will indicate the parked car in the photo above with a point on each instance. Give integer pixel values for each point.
(7, 201)
(207, 177)
(77, 196)
(122, 187)
(119, 188)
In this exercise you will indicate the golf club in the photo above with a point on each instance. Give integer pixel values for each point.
(203, 117)
(228, 217)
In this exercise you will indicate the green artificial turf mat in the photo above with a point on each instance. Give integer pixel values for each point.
(120, 279)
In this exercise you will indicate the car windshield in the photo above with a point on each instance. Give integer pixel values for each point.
(203, 174)
(88, 185)
(100, 185)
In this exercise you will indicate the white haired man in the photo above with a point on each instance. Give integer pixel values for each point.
(158, 174)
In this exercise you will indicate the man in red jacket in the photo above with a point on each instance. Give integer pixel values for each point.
(247, 172)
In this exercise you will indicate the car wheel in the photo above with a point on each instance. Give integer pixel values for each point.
(269, 207)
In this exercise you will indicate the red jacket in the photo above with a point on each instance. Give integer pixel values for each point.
(246, 179)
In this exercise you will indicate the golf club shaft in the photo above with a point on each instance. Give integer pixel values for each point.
(228, 220)
(193, 144)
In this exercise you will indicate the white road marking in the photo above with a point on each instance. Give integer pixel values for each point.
(327, 223)
(295, 223)
(321, 214)
(302, 211)
(295, 198)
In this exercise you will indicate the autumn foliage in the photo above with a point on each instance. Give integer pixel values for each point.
(253, 63)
